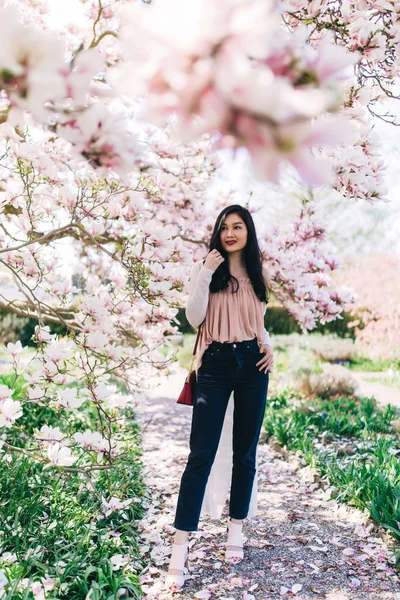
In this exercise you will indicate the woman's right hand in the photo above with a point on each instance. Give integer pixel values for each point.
(213, 260)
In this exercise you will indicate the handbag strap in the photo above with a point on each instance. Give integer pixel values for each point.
(197, 340)
(194, 350)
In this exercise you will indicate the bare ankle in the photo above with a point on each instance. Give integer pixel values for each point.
(238, 521)
(181, 537)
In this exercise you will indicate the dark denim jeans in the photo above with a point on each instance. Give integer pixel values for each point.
(225, 367)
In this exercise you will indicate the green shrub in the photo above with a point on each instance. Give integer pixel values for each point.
(335, 349)
(185, 353)
(324, 384)
(50, 515)
(363, 363)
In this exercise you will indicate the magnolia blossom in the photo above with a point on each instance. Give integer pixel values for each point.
(14, 349)
(10, 411)
(67, 398)
(36, 392)
(60, 455)
(31, 64)
(96, 340)
(48, 434)
(119, 560)
(119, 401)
(370, 29)
(5, 392)
(102, 391)
(300, 263)
(102, 138)
(92, 440)
(233, 68)
(114, 504)
(59, 350)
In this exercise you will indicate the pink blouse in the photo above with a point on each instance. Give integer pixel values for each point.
(229, 317)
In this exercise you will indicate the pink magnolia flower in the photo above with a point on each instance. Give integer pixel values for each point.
(36, 392)
(205, 77)
(114, 504)
(92, 440)
(102, 138)
(14, 349)
(59, 350)
(30, 64)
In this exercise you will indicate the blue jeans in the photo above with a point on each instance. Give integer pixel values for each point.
(225, 367)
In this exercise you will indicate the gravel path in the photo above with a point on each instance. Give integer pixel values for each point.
(300, 545)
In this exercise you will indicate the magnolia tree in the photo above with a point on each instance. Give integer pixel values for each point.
(108, 143)
(376, 311)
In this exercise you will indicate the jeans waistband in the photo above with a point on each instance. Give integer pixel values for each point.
(230, 345)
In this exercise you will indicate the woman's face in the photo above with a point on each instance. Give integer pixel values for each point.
(233, 230)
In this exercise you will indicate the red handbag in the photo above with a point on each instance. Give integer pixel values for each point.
(186, 395)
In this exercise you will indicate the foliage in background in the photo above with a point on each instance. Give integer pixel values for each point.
(324, 384)
(15, 327)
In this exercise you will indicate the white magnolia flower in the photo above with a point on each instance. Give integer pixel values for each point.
(60, 455)
(102, 392)
(43, 333)
(118, 561)
(49, 434)
(114, 352)
(114, 504)
(97, 340)
(94, 306)
(68, 398)
(10, 410)
(5, 392)
(118, 400)
(35, 392)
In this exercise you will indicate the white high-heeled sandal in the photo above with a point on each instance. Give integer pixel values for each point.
(179, 562)
(234, 539)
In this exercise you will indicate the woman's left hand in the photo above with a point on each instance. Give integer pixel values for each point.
(267, 362)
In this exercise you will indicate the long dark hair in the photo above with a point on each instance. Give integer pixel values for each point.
(252, 255)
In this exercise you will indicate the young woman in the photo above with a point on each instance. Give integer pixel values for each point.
(228, 293)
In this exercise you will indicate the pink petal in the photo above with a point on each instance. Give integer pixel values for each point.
(203, 594)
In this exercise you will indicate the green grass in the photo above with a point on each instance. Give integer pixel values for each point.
(52, 520)
(362, 363)
(351, 442)
(185, 352)
(391, 381)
